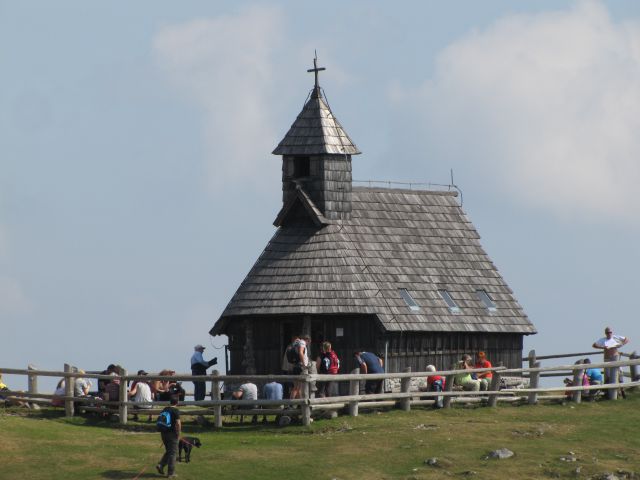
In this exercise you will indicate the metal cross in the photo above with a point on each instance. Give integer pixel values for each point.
(315, 69)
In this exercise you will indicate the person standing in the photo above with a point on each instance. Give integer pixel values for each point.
(199, 367)
(327, 363)
(170, 427)
(301, 363)
(610, 344)
(370, 363)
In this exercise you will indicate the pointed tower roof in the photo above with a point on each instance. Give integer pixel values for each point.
(316, 130)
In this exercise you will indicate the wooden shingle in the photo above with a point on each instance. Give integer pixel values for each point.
(418, 240)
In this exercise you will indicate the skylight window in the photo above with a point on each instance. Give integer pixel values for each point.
(411, 303)
(446, 296)
(484, 297)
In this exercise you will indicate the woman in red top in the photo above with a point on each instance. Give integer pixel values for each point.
(485, 378)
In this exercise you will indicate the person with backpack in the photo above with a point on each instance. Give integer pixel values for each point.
(298, 355)
(169, 426)
(328, 364)
(287, 366)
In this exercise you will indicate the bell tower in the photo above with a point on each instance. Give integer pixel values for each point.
(316, 157)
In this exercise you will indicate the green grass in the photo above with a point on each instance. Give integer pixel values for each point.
(393, 444)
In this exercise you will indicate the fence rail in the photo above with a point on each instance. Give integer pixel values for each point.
(303, 407)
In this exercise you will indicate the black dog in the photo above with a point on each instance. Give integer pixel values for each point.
(186, 444)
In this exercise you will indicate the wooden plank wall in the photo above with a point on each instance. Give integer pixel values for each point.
(414, 349)
(417, 350)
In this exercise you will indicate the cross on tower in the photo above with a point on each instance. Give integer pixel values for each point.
(315, 69)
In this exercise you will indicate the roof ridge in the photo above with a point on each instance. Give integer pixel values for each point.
(452, 193)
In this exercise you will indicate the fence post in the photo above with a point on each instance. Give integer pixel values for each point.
(532, 358)
(306, 406)
(354, 389)
(69, 384)
(446, 403)
(215, 395)
(534, 382)
(495, 387)
(33, 381)
(122, 408)
(633, 369)
(613, 379)
(576, 396)
(405, 386)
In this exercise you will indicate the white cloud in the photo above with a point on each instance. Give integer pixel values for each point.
(225, 65)
(546, 106)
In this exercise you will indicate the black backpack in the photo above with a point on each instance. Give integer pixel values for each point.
(292, 354)
(164, 423)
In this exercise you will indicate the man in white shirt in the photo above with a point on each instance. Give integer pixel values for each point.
(610, 344)
(199, 367)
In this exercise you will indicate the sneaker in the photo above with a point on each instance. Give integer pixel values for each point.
(160, 469)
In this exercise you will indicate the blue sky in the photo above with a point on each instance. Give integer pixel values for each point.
(137, 186)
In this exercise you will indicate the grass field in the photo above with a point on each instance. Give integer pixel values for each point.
(604, 436)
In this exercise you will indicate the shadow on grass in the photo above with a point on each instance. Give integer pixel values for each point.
(129, 474)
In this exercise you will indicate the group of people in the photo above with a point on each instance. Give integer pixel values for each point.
(466, 380)
(610, 344)
(297, 361)
(141, 392)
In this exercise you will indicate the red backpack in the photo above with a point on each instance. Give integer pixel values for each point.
(330, 363)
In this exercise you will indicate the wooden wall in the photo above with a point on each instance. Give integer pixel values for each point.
(417, 350)
(270, 337)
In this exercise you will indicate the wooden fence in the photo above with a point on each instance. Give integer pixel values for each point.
(303, 408)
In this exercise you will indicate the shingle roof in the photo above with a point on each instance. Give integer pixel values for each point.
(316, 131)
(418, 240)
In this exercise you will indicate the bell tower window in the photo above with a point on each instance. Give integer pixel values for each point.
(301, 167)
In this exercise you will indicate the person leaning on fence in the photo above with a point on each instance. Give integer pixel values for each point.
(370, 363)
(610, 344)
(465, 380)
(199, 367)
(327, 363)
(170, 426)
(140, 394)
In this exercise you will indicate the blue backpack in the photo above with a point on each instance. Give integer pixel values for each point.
(163, 423)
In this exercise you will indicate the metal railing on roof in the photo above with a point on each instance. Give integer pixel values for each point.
(410, 185)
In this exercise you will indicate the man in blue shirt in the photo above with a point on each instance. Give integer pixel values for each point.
(595, 378)
(199, 367)
(370, 363)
